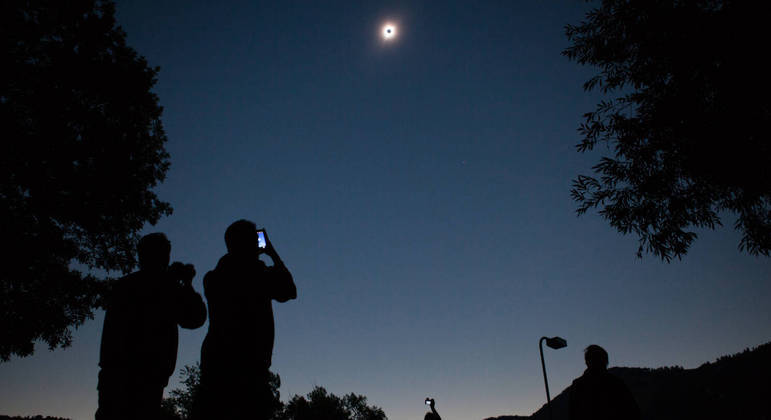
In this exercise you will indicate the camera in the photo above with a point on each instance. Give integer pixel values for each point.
(181, 273)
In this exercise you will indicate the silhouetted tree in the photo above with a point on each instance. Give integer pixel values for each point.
(179, 405)
(687, 122)
(180, 402)
(83, 145)
(276, 406)
(320, 405)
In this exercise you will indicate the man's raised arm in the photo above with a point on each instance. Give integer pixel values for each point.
(281, 283)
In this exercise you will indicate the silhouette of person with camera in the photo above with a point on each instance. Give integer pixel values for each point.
(138, 352)
(599, 395)
(433, 414)
(238, 348)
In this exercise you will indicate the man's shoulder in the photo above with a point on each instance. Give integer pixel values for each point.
(133, 276)
(138, 282)
(607, 380)
(209, 277)
(592, 379)
(234, 266)
(615, 381)
(123, 289)
(578, 382)
(127, 282)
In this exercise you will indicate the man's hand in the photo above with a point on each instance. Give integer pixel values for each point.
(182, 273)
(268, 245)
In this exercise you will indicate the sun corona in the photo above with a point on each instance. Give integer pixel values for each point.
(388, 31)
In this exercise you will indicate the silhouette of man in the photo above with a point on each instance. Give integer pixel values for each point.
(599, 395)
(238, 348)
(139, 338)
(433, 414)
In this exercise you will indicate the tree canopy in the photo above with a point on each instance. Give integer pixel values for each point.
(179, 404)
(83, 146)
(685, 120)
(316, 405)
(321, 405)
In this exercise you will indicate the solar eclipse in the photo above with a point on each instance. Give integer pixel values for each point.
(388, 31)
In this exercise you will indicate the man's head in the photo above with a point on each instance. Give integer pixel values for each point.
(596, 357)
(241, 237)
(154, 252)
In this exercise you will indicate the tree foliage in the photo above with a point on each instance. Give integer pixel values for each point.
(321, 405)
(316, 405)
(181, 401)
(685, 119)
(179, 404)
(83, 145)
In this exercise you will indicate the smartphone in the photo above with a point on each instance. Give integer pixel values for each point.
(428, 401)
(261, 239)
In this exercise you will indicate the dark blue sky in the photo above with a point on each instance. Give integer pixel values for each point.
(419, 192)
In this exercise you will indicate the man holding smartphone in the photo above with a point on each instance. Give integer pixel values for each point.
(238, 347)
(433, 415)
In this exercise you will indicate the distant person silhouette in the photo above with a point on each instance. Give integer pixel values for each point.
(599, 395)
(139, 339)
(433, 414)
(238, 348)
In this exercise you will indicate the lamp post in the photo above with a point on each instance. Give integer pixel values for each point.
(555, 343)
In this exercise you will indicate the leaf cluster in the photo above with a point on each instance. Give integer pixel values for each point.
(685, 124)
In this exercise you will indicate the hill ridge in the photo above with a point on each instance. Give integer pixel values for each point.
(734, 386)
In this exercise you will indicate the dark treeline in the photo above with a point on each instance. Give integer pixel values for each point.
(317, 404)
(31, 418)
(732, 387)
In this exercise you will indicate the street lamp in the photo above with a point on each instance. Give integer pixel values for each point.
(555, 343)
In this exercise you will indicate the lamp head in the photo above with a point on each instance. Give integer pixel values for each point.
(556, 342)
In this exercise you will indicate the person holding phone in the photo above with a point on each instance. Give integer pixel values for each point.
(433, 415)
(238, 348)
